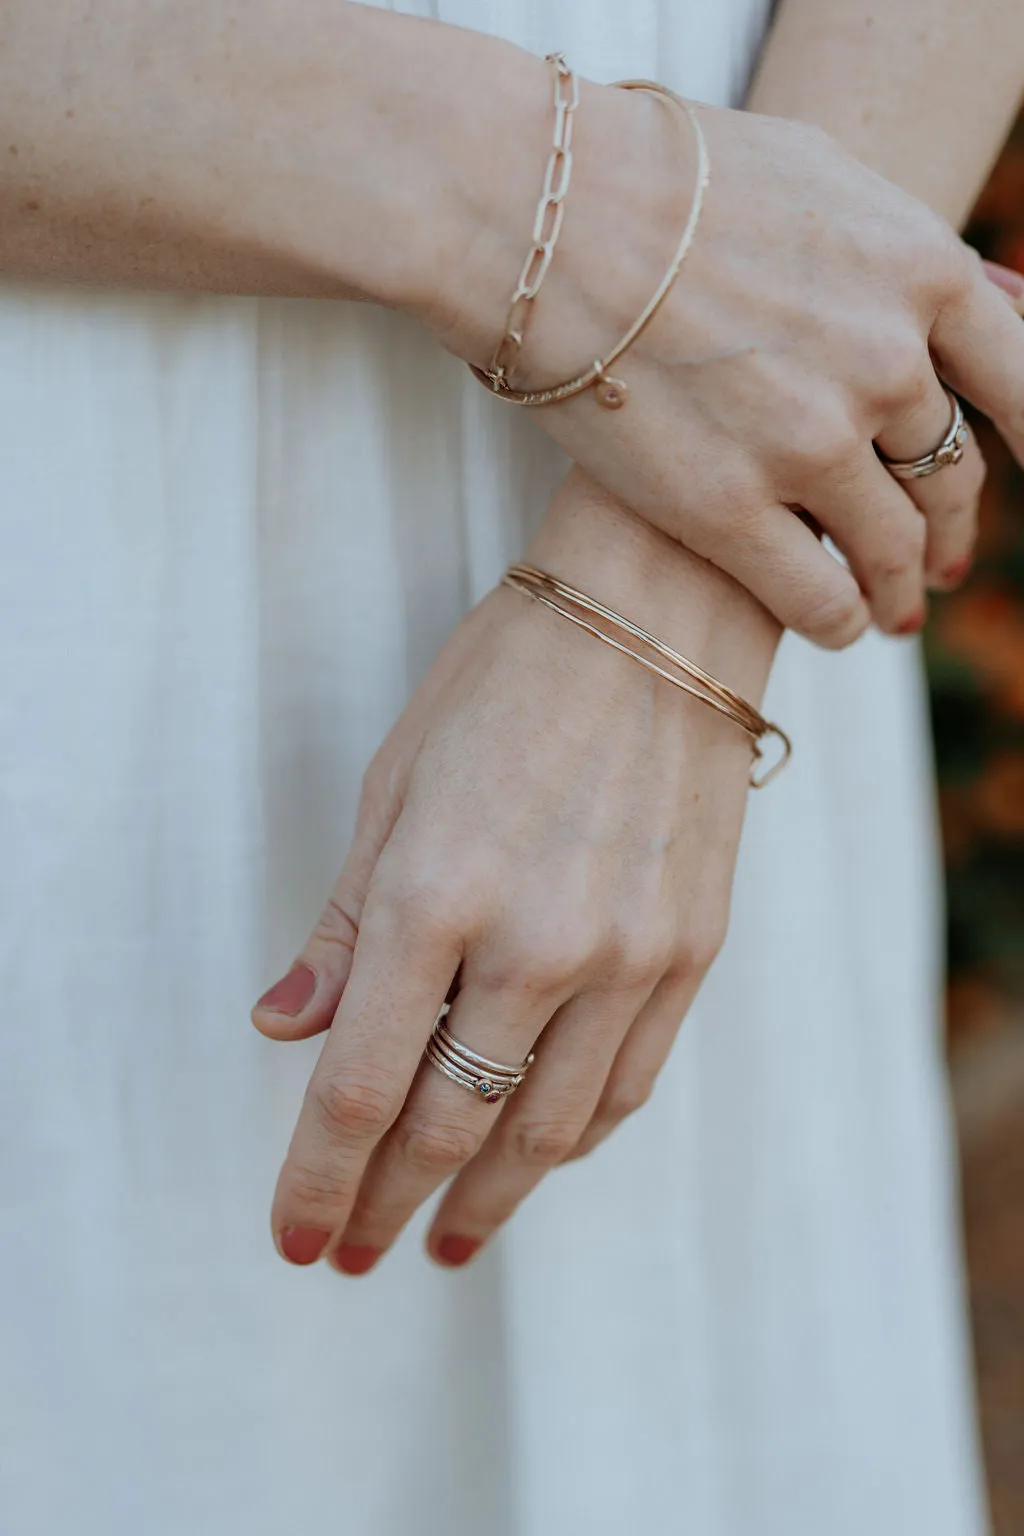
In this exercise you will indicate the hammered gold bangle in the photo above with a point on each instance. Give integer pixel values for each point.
(562, 598)
(613, 393)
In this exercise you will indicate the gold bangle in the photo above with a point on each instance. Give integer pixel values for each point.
(555, 594)
(547, 225)
(612, 392)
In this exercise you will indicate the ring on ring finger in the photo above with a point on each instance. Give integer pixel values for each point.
(490, 1080)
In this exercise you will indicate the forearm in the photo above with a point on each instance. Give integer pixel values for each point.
(307, 147)
(923, 91)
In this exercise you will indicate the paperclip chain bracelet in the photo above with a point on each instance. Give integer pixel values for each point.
(562, 598)
(612, 392)
(547, 225)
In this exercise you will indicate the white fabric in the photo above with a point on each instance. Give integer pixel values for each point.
(234, 532)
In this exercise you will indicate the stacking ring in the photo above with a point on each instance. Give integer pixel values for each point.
(949, 451)
(489, 1080)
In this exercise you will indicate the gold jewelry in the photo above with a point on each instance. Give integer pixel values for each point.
(613, 393)
(489, 1080)
(547, 226)
(949, 451)
(555, 594)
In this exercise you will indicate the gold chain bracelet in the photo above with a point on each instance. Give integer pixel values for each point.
(547, 225)
(613, 393)
(555, 594)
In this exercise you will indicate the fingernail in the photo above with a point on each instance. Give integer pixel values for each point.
(302, 1245)
(955, 573)
(353, 1259)
(455, 1250)
(291, 994)
(912, 625)
(1006, 278)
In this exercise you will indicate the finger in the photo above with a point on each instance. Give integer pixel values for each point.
(978, 345)
(305, 1000)
(779, 559)
(405, 957)
(640, 1059)
(540, 1126)
(882, 534)
(442, 1124)
(1010, 282)
(949, 497)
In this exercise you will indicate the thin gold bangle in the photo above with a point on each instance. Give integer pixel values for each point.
(552, 593)
(612, 392)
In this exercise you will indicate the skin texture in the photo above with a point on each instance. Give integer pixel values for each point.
(193, 143)
(559, 829)
(605, 1024)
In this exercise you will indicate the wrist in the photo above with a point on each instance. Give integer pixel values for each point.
(591, 540)
(633, 163)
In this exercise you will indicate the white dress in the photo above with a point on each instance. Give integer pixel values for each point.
(234, 532)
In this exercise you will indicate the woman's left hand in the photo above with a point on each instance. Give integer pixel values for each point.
(558, 829)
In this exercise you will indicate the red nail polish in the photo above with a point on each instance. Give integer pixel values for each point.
(292, 993)
(354, 1258)
(302, 1245)
(912, 625)
(957, 571)
(455, 1250)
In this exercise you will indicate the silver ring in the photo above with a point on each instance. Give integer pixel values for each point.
(949, 451)
(488, 1080)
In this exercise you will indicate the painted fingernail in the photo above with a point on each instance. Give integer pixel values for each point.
(455, 1250)
(957, 571)
(292, 993)
(912, 625)
(354, 1259)
(302, 1245)
(1006, 278)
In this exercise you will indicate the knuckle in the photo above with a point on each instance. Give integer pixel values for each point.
(624, 1098)
(338, 923)
(311, 1189)
(923, 249)
(904, 551)
(351, 1105)
(542, 1143)
(704, 941)
(421, 900)
(821, 443)
(896, 369)
(834, 616)
(639, 952)
(437, 1147)
(959, 265)
(540, 964)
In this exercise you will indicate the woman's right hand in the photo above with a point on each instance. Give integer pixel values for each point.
(813, 319)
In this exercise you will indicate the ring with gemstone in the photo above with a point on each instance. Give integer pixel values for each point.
(949, 451)
(489, 1080)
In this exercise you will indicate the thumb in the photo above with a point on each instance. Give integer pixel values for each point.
(305, 1000)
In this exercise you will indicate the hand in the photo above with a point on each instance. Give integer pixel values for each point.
(815, 314)
(556, 827)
